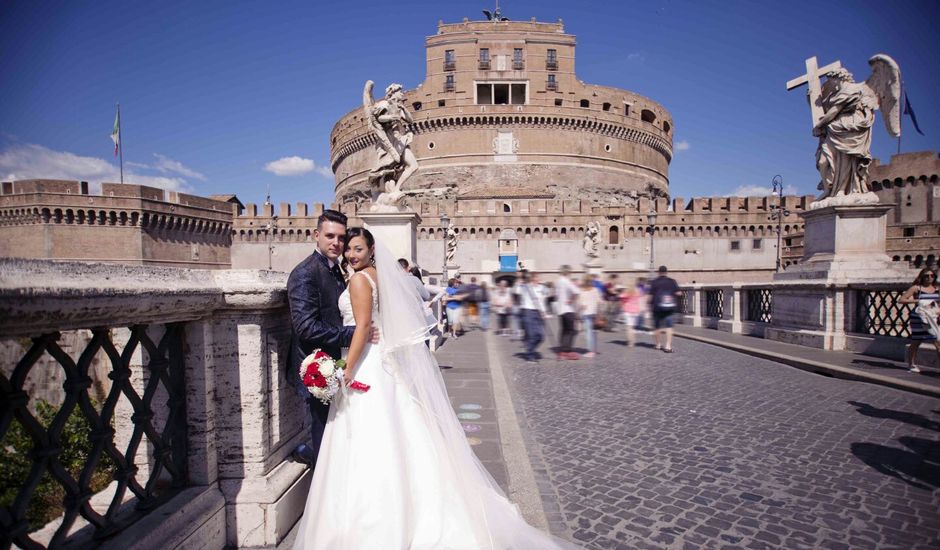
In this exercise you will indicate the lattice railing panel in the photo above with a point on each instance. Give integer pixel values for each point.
(759, 304)
(714, 303)
(687, 302)
(879, 312)
(143, 459)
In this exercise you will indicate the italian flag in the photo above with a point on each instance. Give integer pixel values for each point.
(116, 132)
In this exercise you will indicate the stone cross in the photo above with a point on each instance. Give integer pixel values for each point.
(812, 76)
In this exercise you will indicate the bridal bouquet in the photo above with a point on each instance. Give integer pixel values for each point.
(323, 376)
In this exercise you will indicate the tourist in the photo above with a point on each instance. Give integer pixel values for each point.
(664, 296)
(416, 280)
(454, 307)
(588, 303)
(531, 313)
(644, 318)
(549, 300)
(471, 292)
(611, 302)
(566, 294)
(923, 319)
(631, 306)
(483, 305)
(501, 304)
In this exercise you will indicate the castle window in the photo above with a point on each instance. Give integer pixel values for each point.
(585, 103)
(551, 60)
(8, 188)
(626, 109)
(506, 208)
(614, 235)
(606, 106)
(416, 106)
(558, 102)
(648, 116)
(450, 61)
(501, 93)
(518, 63)
(908, 231)
(449, 83)
(485, 59)
(441, 103)
(550, 84)
(757, 244)
(666, 127)
(735, 245)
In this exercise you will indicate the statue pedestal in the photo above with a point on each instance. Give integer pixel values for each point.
(593, 266)
(396, 230)
(816, 303)
(845, 244)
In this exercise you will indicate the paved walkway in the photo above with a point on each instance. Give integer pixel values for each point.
(841, 364)
(707, 447)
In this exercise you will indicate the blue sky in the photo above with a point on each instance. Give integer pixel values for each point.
(213, 92)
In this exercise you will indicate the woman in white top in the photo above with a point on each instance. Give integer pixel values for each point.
(588, 301)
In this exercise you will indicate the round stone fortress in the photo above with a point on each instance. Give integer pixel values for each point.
(501, 109)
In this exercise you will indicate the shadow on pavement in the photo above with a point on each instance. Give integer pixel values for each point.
(878, 364)
(901, 416)
(909, 467)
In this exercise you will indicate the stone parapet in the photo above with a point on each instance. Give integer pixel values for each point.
(242, 416)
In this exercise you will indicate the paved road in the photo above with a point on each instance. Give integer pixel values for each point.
(709, 448)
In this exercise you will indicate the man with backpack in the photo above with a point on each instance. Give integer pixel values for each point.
(664, 298)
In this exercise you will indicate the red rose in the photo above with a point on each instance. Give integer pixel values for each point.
(321, 355)
(319, 382)
(313, 369)
(308, 379)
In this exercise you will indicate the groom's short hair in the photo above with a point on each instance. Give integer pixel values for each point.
(331, 216)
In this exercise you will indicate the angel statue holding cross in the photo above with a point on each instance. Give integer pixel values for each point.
(843, 116)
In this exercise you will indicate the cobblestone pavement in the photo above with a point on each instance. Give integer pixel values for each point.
(709, 448)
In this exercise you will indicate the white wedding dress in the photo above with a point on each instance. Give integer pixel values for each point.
(390, 477)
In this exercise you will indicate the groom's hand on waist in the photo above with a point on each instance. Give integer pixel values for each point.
(374, 334)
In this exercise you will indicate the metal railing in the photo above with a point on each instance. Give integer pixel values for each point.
(879, 312)
(518, 65)
(714, 303)
(449, 86)
(145, 453)
(759, 305)
(484, 64)
(551, 65)
(450, 65)
(687, 302)
(551, 85)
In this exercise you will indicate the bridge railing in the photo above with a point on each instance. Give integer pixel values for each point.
(865, 318)
(146, 407)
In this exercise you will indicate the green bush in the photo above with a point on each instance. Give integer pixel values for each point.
(16, 462)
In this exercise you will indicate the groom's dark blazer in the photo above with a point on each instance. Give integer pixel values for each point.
(313, 291)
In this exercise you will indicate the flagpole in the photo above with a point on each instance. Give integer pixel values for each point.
(900, 118)
(120, 143)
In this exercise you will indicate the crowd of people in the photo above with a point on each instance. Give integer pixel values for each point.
(586, 305)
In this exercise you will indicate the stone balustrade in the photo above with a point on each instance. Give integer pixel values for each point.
(199, 420)
(861, 318)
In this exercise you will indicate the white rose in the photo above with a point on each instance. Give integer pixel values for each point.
(327, 367)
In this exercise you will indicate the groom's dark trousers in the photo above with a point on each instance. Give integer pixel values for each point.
(313, 291)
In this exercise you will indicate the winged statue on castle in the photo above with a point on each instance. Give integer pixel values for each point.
(845, 129)
(389, 121)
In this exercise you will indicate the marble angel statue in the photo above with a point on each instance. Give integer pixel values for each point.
(845, 130)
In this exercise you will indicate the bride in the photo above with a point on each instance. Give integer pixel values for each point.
(395, 470)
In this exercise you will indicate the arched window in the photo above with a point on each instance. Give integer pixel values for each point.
(648, 116)
(507, 208)
(614, 233)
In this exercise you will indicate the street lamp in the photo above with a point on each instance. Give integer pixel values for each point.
(271, 229)
(778, 212)
(651, 220)
(445, 223)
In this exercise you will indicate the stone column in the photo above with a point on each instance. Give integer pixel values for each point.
(396, 230)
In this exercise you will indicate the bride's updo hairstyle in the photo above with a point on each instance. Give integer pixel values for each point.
(358, 232)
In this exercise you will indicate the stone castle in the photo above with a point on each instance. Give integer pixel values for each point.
(501, 122)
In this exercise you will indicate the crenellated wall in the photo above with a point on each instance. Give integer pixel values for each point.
(131, 224)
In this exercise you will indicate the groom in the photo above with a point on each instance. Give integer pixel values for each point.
(313, 290)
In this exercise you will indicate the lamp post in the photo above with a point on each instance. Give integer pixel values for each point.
(778, 212)
(271, 229)
(445, 223)
(651, 220)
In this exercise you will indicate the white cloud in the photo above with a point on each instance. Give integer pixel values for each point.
(28, 161)
(290, 166)
(324, 171)
(636, 57)
(683, 146)
(168, 165)
(759, 191)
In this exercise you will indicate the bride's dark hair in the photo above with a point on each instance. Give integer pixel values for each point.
(358, 232)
